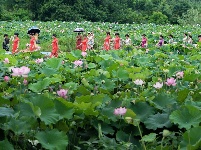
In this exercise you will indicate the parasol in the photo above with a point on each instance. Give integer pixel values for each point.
(79, 30)
(33, 29)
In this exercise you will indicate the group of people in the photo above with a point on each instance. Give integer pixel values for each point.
(32, 46)
(85, 42)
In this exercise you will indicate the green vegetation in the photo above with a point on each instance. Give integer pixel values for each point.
(122, 11)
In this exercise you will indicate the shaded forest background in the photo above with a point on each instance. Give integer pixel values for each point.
(122, 11)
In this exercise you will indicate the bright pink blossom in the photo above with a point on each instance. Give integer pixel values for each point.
(6, 61)
(62, 93)
(180, 74)
(120, 111)
(158, 85)
(84, 54)
(6, 78)
(77, 63)
(39, 60)
(22, 71)
(171, 81)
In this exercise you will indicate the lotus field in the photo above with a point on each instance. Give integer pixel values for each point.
(133, 98)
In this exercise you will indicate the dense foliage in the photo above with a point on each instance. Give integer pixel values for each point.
(73, 102)
(122, 11)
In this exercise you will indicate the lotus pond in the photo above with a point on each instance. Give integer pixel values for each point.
(127, 99)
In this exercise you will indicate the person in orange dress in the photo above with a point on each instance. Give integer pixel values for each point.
(55, 46)
(32, 45)
(106, 45)
(84, 43)
(16, 42)
(79, 41)
(117, 41)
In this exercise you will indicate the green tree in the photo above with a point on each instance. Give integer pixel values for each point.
(158, 18)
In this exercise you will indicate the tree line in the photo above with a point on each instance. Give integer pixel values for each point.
(122, 11)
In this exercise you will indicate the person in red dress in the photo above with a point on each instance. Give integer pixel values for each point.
(117, 41)
(55, 46)
(32, 45)
(106, 45)
(16, 42)
(84, 43)
(79, 41)
(199, 38)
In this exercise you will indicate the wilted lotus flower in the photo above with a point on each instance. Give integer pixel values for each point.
(171, 81)
(180, 74)
(62, 93)
(158, 85)
(84, 54)
(78, 63)
(120, 111)
(6, 78)
(25, 82)
(39, 60)
(6, 61)
(139, 82)
(22, 71)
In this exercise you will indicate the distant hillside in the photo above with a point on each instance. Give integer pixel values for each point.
(122, 11)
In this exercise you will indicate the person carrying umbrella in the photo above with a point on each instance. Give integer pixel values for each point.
(55, 46)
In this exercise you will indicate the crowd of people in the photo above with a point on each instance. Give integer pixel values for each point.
(86, 42)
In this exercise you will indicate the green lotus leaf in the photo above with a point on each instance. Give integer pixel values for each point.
(142, 110)
(53, 139)
(91, 65)
(40, 85)
(191, 139)
(157, 121)
(122, 136)
(163, 101)
(182, 95)
(122, 74)
(48, 112)
(48, 71)
(5, 145)
(63, 110)
(186, 117)
(54, 63)
(6, 112)
(149, 138)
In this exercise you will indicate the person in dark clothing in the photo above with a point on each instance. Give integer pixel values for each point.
(6, 42)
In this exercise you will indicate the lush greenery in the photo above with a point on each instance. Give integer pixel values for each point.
(35, 114)
(122, 11)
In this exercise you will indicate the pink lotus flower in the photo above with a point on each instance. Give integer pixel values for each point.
(120, 111)
(6, 61)
(62, 93)
(171, 81)
(84, 54)
(158, 85)
(78, 63)
(180, 74)
(6, 78)
(22, 71)
(39, 60)
(63, 62)
(139, 82)
(25, 82)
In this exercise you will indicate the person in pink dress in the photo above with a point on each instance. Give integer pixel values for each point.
(144, 42)
(15, 43)
(199, 38)
(84, 43)
(117, 41)
(106, 45)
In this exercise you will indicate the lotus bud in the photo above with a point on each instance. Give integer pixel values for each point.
(166, 133)
(128, 119)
